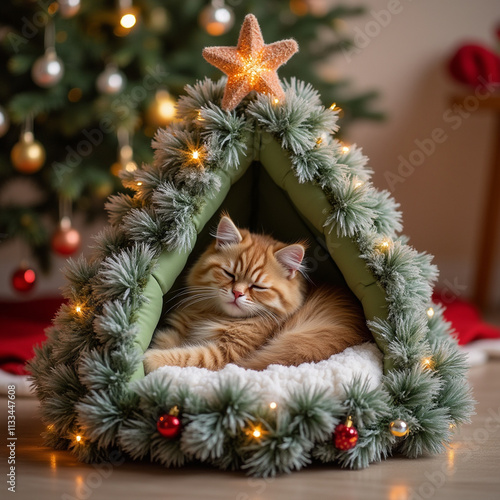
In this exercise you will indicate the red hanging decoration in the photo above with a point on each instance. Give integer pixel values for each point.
(345, 435)
(66, 240)
(23, 279)
(169, 424)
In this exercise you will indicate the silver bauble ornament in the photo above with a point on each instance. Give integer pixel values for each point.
(4, 121)
(48, 69)
(216, 19)
(68, 8)
(110, 81)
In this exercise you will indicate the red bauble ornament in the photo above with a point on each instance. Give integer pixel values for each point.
(345, 435)
(66, 240)
(169, 424)
(23, 279)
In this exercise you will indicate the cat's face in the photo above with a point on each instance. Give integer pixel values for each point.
(243, 274)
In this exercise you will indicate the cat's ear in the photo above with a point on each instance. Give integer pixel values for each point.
(227, 233)
(291, 258)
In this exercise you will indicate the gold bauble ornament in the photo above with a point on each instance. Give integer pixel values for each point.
(399, 428)
(27, 155)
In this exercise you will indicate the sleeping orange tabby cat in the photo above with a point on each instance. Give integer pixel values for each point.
(247, 304)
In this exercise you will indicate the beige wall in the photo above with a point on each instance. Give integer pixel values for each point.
(442, 199)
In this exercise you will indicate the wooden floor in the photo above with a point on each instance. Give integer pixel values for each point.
(469, 470)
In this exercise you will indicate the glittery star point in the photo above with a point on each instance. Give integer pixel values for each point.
(251, 65)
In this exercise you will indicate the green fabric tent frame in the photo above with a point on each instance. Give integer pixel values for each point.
(89, 375)
(309, 201)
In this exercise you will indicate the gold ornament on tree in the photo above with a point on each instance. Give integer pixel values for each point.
(251, 65)
(28, 155)
(128, 17)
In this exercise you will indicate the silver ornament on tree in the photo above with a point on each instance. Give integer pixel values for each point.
(69, 8)
(216, 18)
(111, 80)
(4, 121)
(48, 69)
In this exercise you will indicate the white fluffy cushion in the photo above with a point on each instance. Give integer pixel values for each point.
(277, 382)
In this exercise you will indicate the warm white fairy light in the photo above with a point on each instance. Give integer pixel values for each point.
(78, 309)
(79, 439)
(358, 184)
(384, 245)
(276, 101)
(273, 405)
(139, 183)
(256, 433)
(430, 312)
(428, 363)
(345, 149)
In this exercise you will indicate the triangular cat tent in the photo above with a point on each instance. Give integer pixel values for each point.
(275, 166)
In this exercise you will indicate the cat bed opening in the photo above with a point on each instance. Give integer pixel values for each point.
(276, 168)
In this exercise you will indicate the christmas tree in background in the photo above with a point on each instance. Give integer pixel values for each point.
(86, 83)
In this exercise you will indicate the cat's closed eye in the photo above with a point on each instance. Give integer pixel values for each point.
(258, 287)
(228, 274)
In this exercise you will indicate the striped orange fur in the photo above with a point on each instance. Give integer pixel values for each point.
(247, 303)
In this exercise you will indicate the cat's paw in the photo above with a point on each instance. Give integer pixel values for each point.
(154, 359)
(252, 364)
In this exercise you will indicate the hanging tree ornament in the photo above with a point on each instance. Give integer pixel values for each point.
(111, 80)
(216, 18)
(65, 240)
(251, 65)
(169, 424)
(127, 15)
(4, 121)
(345, 435)
(28, 155)
(23, 279)
(69, 8)
(48, 69)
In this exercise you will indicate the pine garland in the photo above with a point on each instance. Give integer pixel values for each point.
(82, 374)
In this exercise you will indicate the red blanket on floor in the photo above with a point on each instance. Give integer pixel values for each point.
(23, 325)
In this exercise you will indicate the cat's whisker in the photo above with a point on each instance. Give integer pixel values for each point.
(191, 299)
(189, 289)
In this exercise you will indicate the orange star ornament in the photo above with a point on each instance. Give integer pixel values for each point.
(251, 65)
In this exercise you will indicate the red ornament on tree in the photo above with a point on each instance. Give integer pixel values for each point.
(66, 240)
(23, 279)
(345, 435)
(168, 424)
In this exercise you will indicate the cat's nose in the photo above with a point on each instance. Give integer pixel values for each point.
(237, 294)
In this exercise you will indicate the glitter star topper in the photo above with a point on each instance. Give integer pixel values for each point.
(251, 65)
